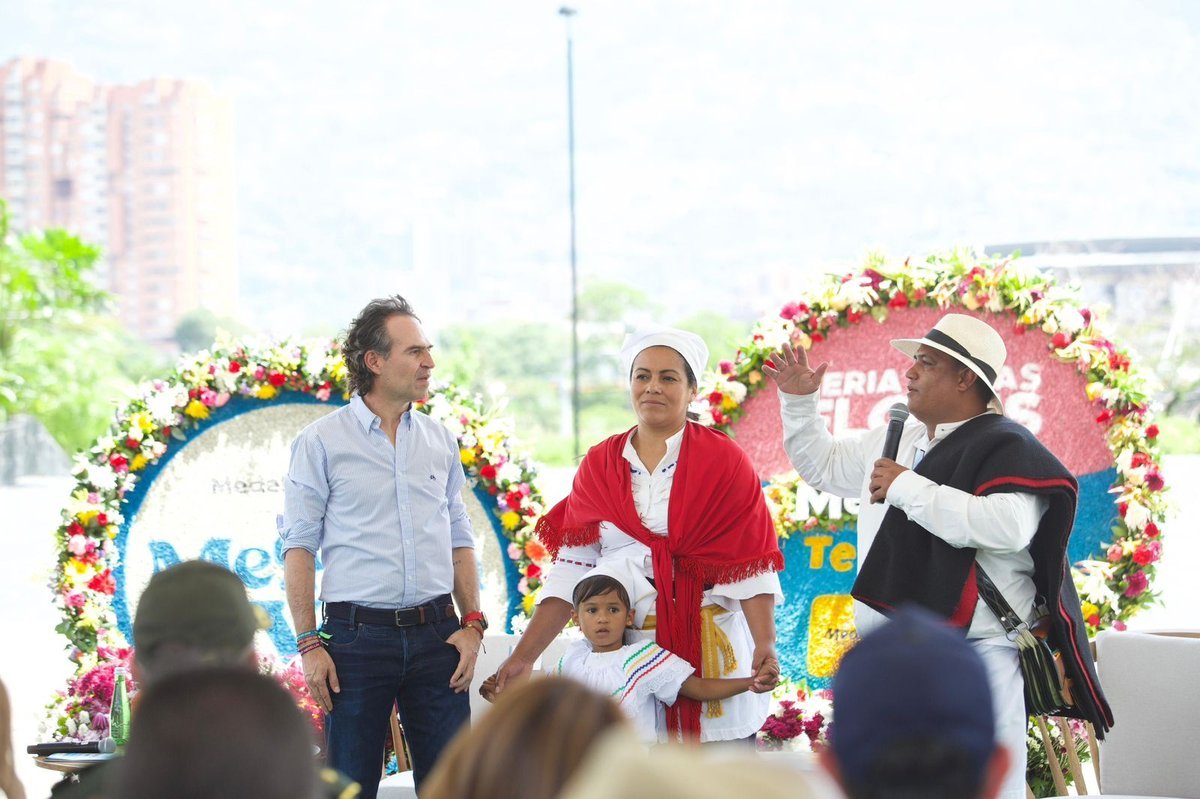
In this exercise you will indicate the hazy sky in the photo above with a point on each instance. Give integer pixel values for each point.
(723, 148)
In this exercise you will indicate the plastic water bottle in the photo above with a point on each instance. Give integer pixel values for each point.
(118, 714)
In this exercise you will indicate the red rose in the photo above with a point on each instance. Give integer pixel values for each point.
(513, 499)
(1018, 329)
(103, 583)
(1121, 508)
(235, 367)
(493, 490)
(75, 528)
(132, 443)
(102, 519)
(715, 398)
(1152, 431)
(919, 294)
(817, 338)
(719, 418)
(1060, 340)
(898, 300)
(1105, 416)
(487, 472)
(1139, 459)
(534, 571)
(854, 317)
(276, 379)
(119, 463)
(1151, 530)
(726, 367)
(1094, 620)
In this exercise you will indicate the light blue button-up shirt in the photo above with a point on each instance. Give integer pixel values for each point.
(384, 519)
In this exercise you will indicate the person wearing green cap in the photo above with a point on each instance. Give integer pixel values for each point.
(191, 616)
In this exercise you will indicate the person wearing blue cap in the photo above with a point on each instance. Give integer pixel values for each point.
(912, 716)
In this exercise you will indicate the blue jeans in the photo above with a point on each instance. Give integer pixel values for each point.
(376, 666)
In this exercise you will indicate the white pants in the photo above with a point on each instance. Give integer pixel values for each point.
(1008, 702)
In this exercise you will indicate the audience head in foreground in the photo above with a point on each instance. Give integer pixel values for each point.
(222, 731)
(912, 716)
(191, 615)
(528, 745)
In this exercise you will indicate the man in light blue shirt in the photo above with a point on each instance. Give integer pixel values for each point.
(374, 488)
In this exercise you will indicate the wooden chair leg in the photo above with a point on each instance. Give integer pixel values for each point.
(1060, 782)
(1095, 750)
(1070, 744)
(403, 762)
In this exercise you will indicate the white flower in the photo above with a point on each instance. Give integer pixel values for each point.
(1136, 516)
(510, 472)
(161, 406)
(1070, 320)
(736, 390)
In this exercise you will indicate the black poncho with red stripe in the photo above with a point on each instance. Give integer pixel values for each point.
(987, 455)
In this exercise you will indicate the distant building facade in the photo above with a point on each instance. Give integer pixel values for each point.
(144, 171)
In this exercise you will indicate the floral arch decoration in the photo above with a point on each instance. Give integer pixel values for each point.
(1109, 440)
(218, 389)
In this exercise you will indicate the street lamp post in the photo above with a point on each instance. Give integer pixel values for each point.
(567, 13)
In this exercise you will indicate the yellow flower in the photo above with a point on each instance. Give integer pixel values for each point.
(196, 409)
(467, 456)
(1094, 390)
(139, 462)
(142, 421)
(77, 567)
(970, 300)
(510, 519)
(527, 603)
(265, 392)
(112, 530)
(338, 371)
(1089, 610)
(85, 517)
(755, 377)
(728, 403)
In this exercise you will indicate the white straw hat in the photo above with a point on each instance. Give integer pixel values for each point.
(970, 341)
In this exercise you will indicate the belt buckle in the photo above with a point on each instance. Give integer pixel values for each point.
(400, 622)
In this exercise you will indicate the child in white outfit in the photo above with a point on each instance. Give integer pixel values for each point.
(638, 676)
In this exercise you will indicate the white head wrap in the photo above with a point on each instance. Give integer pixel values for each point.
(689, 345)
(632, 575)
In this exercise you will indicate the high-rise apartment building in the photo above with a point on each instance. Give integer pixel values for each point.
(144, 171)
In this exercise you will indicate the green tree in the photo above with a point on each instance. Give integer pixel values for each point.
(43, 282)
(722, 334)
(56, 346)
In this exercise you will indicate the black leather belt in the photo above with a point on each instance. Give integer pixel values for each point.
(434, 610)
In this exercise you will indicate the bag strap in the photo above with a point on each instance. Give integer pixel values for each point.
(990, 594)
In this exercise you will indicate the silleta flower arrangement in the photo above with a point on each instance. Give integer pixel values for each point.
(165, 412)
(1111, 589)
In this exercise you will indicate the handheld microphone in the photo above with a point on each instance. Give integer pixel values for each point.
(103, 746)
(897, 414)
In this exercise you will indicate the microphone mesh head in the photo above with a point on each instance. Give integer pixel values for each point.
(107, 745)
(898, 412)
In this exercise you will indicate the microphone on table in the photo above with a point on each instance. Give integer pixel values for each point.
(897, 414)
(104, 746)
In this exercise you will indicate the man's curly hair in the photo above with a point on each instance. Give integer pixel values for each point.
(368, 333)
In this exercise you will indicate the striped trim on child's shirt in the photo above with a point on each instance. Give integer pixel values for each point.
(639, 665)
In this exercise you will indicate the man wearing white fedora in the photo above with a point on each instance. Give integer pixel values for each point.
(968, 489)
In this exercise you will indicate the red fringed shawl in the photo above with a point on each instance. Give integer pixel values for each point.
(718, 531)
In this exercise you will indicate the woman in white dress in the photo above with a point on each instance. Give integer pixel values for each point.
(681, 508)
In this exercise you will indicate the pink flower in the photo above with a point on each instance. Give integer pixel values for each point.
(1115, 553)
(1138, 583)
(1119, 625)
(74, 600)
(726, 367)
(1147, 553)
(77, 545)
(1154, 481)
(323, 394)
